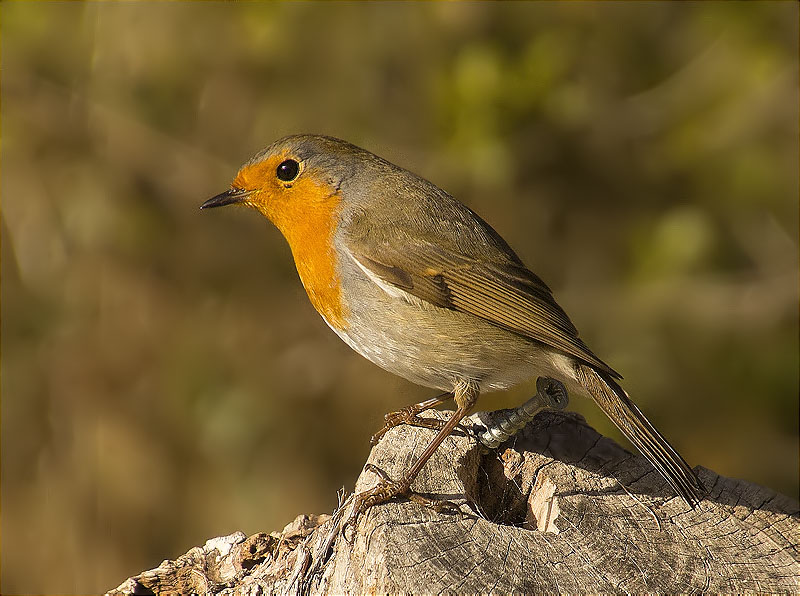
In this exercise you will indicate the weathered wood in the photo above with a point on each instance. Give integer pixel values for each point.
(558, 509)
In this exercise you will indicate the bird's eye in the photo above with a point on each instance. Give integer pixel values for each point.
(288, 170)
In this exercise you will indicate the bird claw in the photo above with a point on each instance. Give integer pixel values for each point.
(438, 505)
(386, 490)
(382, 492)
(409, 415)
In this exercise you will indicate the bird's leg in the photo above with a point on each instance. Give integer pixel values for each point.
(410, 415)
(504, 424)
(466, 394)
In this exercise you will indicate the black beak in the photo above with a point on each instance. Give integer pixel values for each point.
(229, 197)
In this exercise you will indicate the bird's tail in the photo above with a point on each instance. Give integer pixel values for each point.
(613, 400)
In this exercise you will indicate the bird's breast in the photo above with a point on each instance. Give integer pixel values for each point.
(309, 228)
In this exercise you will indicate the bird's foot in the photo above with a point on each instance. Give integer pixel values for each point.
(408, 415)
(386, 490)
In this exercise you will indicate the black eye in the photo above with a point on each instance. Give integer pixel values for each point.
(288, 170)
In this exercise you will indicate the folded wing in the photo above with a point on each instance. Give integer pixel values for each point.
(502, 291)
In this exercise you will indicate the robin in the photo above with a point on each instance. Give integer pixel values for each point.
(419, 284)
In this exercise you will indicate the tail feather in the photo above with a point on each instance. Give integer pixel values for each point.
(616, 404)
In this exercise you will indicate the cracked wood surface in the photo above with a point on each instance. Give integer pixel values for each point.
(557, 509)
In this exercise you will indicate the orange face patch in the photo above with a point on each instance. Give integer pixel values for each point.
(305, 210)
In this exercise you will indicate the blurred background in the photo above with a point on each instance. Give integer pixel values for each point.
(164, 378)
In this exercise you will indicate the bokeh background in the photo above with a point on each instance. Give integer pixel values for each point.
(164, 379)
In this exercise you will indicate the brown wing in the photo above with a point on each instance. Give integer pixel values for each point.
(504, 293)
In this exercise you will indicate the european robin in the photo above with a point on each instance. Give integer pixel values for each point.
(419, 284)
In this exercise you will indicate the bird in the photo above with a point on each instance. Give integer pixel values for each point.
(419, 284)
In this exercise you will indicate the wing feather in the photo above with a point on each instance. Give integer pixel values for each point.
(502, 292)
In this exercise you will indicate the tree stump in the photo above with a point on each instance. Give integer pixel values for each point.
(559, 508)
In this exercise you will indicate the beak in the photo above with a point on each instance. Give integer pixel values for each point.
(229, 197)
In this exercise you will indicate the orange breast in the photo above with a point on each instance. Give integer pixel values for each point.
(307, 214)
(311, 240)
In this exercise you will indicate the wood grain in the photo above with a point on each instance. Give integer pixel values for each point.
(557, 509)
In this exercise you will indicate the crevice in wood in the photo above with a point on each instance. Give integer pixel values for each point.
(559, 508)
